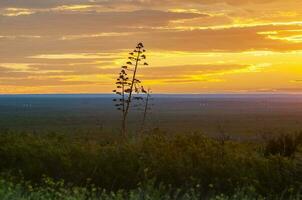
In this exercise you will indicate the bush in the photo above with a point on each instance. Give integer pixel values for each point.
(181, 161)
(284, 145)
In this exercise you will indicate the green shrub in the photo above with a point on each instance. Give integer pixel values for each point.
(181, 161)
(284, 145)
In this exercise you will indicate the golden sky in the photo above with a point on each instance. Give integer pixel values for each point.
(194, 46)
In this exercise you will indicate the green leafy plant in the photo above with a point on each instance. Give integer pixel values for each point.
(285, 145)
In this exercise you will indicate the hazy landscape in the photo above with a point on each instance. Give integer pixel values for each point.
(240, 115)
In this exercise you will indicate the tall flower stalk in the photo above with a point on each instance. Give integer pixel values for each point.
(126, 87)
(147, 107)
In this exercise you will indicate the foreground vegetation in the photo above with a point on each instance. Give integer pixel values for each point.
(51, 190)
(158, 166)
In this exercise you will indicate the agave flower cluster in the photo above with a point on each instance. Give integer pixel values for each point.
(128, 86)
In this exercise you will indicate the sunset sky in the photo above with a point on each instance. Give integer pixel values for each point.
(193, 46)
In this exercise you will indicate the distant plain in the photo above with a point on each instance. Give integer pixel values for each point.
(248, 115)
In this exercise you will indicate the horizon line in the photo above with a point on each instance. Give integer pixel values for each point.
(213, 93)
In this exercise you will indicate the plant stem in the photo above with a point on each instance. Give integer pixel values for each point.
(145, 111)
(124, 127)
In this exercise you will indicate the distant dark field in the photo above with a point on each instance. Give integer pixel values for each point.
(240, 115)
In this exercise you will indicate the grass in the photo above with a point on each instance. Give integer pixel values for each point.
(189, 166)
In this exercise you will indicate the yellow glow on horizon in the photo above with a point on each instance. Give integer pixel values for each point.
(205, 66)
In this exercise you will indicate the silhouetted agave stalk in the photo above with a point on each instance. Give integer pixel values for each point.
(147, 107)
(126, 87)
